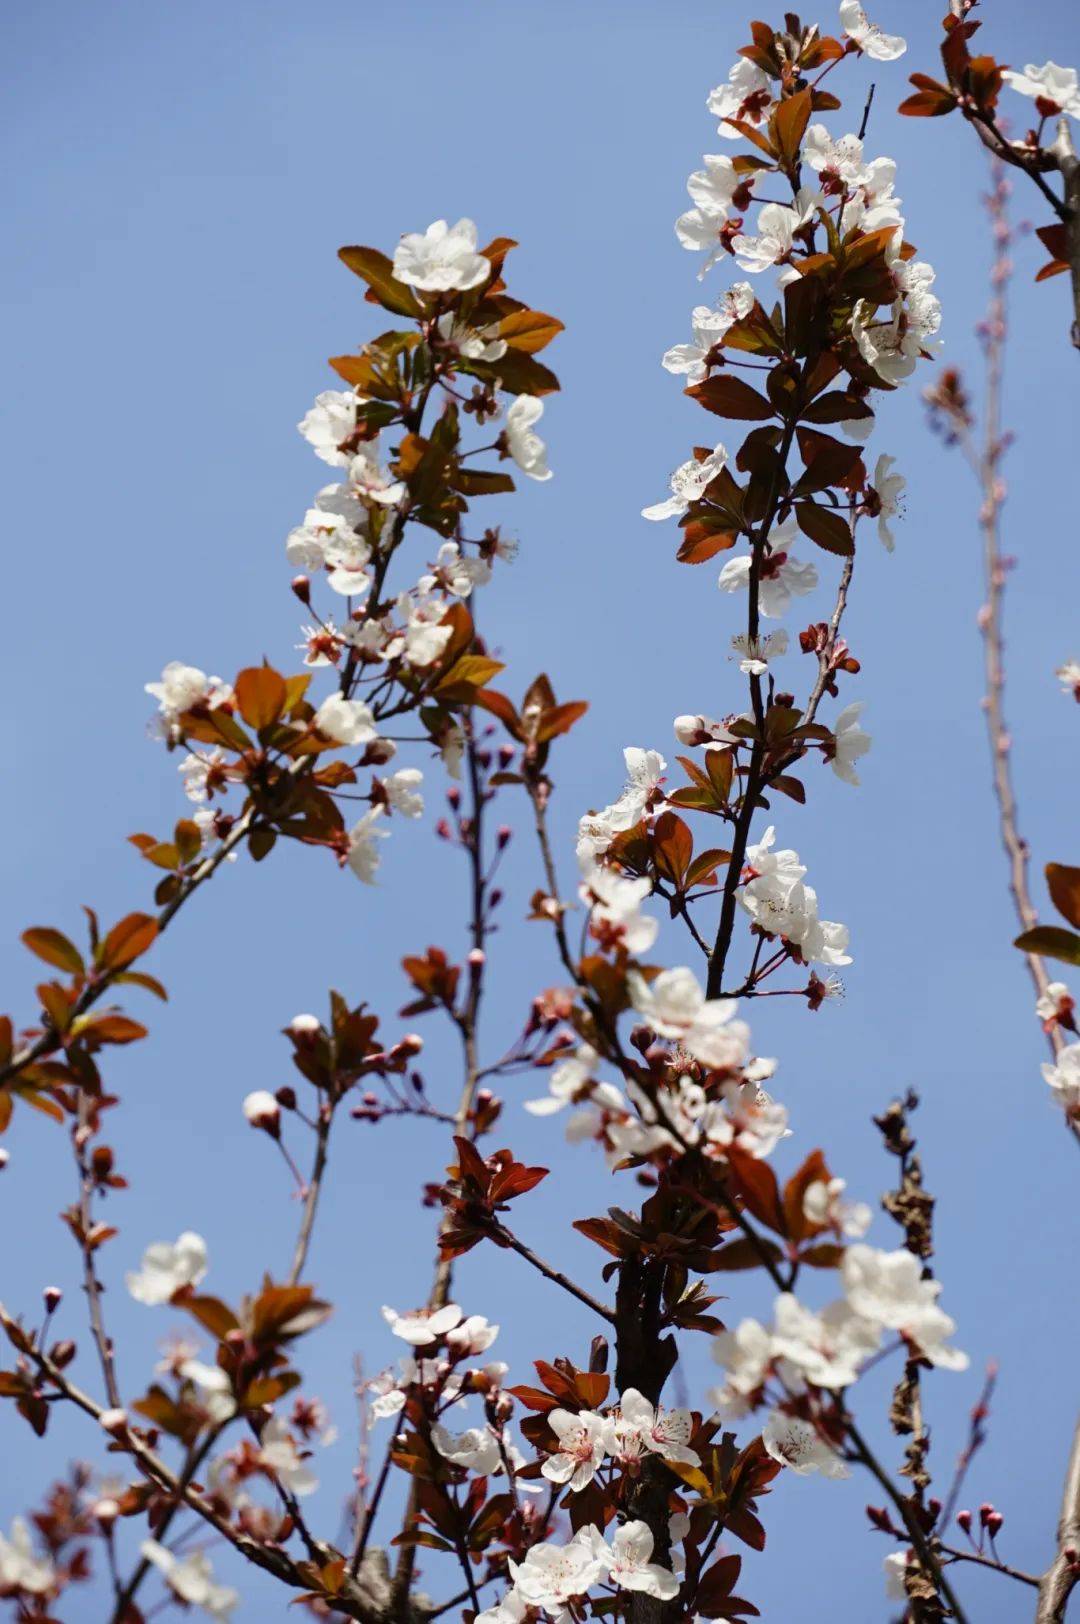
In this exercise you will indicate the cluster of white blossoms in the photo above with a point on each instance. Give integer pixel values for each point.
(802, 1350)
(779, 901)
(190, 1578)
(552, 1577)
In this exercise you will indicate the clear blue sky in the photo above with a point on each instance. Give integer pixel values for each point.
(182, 178)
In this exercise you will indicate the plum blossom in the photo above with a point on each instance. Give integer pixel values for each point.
(896, 1566)
(892, 345)
(214, 1389)
(278, 1452)
(747, 1117)
(20, 1568)
(330, 421)
(1069, 677)
(551, 1575)
(659, 1431)
(581, 1447)
(197, 771)
(474, 343)
(798, 1444)
(746, 1354)
(616, 916)
(183, 686)
(746, 95)
(402, 791)
(778, 900)
(441, 259)
(262, 1110)
(708, 326)
(630, 1567)
(166, 1267)
(345, 721)
(368, 478)
(472, 1336)
(511, 1610)
(888, 489)
(674, 1006)
(758, 651)
(1063, 1076)
(477, 1449)
(888, 1289)
(712, 190)
(1053, 89)
(781, 576)
(191, 1579)
(837, 159)
(691, 730)
(363, 849)
(523, 443)
(423, 1327)
(868, 36)
(829, 1348)
(849, 743)
(823, 1205)
(570, 1080)
(347, 557)
(455, 573)
(777, 225)
(688, 484)
(871, 204)
(596, 830)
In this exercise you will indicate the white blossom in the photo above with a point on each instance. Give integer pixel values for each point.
(20, 1567)
(166, 1267)
(345, 721)
(823, 1205)
(441, 259)
(596, 830)
(888, 1289)
(829, 1348)
(747, 1117)
(368, 478)
(581, 1447)
(1056, 89)
(781, 577)
(674, 1006)
(758, 651)
(279, 1453)
(849, 742)
(474, 343)
(363, 854)
(331, 420)
(1068, 675)
(868, 36)
(423, 1327)
(630, 1567)
(1063, 1076)
(615, 904)
(552, 1575)
(889, 488)
(524, 444)
(183, 686)
(708, 326)
(472, 1336)
(797, 1444)
(746, 1355)
(402, 791)
(215, 1389)
(660, 1431)
(477, 1448)
(688, 484)
(777, 225)
(746, 95)
(837, 159)
(191, 1579)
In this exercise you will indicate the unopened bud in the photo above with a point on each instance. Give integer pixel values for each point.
(286, 1098)
(301, 587)
(484, 1096)
(994, 1523)
(380, 751)
(63, 1353)
(506, 754)
(495, 898)
(53, 1297)
(986, 1511)
(4, 1159)
(963, 1519)
(262, 1111)
(304, 1028)
(114, 1421)
(453, 796)
(106, 1511)
(411, 1043)
(503, 836)
(477, 958)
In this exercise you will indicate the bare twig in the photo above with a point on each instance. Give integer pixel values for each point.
(1060, 1578)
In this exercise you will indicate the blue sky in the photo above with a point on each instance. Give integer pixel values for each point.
(183, 179)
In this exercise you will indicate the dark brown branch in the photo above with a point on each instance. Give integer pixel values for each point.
(555, 1275)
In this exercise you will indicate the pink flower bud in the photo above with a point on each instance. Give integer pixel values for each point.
(477, 958)
(53, 1296)
(304, 1028)
(963, 1518)
(453, 796)
(986, 1511)
(504, 836)
(114, 1421)
(262, 1111)
(506, 754)
(495, 898)
(286, 1098)
(4, 1159)
(301, 587)
(106, 1511)
(994, 1523)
